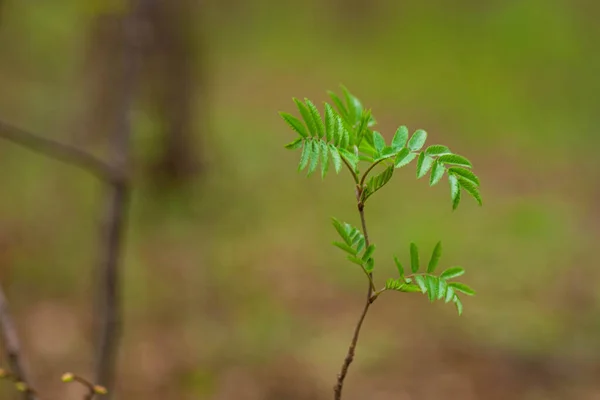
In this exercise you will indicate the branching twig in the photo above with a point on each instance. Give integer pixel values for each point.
(63, 152)
(369, 300)
(109, 307)
(11, 342)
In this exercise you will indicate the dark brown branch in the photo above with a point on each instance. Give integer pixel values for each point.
(62, 152)
(13, 348)
(109, 304)
(337, 390)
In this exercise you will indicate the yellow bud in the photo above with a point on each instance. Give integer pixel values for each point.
(100, 389)
(68, 377)
(21, 386)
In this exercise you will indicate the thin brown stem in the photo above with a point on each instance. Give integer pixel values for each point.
(59, 151)
(354, 176)
(13, 348)
(109, 304)
(369, 300)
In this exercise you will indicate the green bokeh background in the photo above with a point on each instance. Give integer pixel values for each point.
(231, 289)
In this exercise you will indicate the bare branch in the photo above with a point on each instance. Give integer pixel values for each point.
(62, 152)
(13, 348)
(109, 304)
(337, 390)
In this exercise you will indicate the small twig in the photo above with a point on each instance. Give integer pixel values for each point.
(93, 390)
(109, 304)
(364, 177)
(59, 151)
(369, 300)
(11, 342)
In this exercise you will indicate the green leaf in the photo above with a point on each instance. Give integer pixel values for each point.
(442, 287)
(324, 158)
(306, 149)
(294, 123)
(417, 140)
(368, 252)
(449, 294)
(400, 138)
(437, 173)
(345, 247)
(316, 117)
(339, 227)
(307, 116)
(399, 266)
(336, 158)
(377, 182)
(330, 122)
(414, 257)
(455, 159)
(432, 287)
(315, 150)
(452, 273)
(370, 265)
(403, 158)
(465, 173)
(435, 257)
(407, 287)
(355, 260)
(392, 284)
(461, 287)
(421, 282)
(354, 106)
(296, 144)
(338, 104)
(379, 142)
(454, 191)
(424, 163)
(459, 306)
(362, 126)
(344, 135)
(351, 158)
(436, 150)
(470, 188)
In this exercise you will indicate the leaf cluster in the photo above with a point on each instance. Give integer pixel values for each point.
(437, 287)
(345, 136)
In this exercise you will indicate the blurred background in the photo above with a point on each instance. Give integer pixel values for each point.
(231, 289)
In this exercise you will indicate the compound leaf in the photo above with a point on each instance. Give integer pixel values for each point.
(338, 104)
